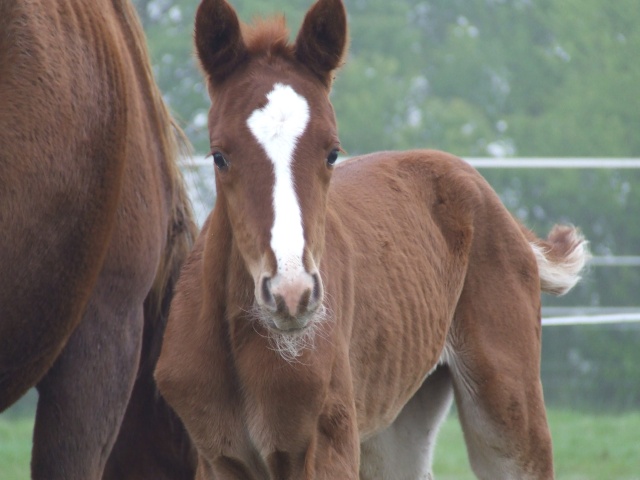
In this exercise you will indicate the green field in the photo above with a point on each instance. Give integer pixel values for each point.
(587, 447)
(15, 448)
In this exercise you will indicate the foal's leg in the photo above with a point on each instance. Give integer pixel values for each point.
(404, 451)
(494, 356)
(84, 396)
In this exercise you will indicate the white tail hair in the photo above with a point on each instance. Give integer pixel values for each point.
(561, 258)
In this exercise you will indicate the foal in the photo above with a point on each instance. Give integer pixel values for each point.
(327, 314)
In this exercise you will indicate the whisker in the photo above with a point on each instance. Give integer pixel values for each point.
(291, 346)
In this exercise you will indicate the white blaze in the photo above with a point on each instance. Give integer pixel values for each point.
(277, 127)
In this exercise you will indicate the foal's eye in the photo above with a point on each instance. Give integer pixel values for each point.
(333, 156)
(220, 161)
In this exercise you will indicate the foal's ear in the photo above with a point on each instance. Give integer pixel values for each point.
(218, 39)
(322, 41)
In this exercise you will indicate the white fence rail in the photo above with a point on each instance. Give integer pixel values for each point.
(592, 319)
(546, 163)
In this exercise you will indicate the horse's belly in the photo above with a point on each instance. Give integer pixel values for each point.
(390, 370)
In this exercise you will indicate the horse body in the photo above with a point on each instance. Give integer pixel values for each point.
(94, 220)
(423, 272)
(327, 315)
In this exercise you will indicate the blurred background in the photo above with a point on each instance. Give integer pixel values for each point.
(557, 80)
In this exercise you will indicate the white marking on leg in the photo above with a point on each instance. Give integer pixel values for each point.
(277, 127)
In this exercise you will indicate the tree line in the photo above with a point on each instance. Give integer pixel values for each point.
(474, 77)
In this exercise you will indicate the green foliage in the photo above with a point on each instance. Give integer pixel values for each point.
(588, 367)
(592, 108)
(371, 109)
(544, 78)
(474, 77)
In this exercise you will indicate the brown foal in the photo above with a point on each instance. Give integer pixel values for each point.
(328, 314)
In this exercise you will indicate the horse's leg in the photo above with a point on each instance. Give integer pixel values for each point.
(84, 396)
(152, 443)
(404, 451)
(494, 355)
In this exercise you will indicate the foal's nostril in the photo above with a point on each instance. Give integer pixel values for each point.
(265, 290)
(316, 296)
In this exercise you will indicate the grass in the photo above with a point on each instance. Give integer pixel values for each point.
(15, 448)
(586, 447)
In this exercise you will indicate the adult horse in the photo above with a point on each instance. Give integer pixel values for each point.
(94, 223)
(327, 314)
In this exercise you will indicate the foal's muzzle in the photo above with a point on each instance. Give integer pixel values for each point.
(290, 301)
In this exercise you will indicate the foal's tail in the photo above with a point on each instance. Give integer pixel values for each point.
(561, 258)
